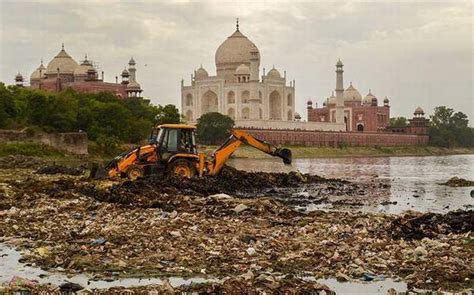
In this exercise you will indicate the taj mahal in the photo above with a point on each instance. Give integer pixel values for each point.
(238, 90)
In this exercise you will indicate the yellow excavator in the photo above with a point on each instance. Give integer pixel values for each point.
(172, 148)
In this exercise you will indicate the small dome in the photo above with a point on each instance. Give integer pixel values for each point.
(62, 61)
(339, 63)
(125, 73)
(331, 99)
(19, 77)
(201, 73)
(419, 111)
(36, 74)
(309, 102)
(132, 62)
(274, 73)
(83, 68)
(386, 100)
(352, 94)
(369, 97)
(133, 86)
(242, 70)
(297, 116)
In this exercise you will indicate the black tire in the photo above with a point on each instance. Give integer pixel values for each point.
(183, 168)
(134, 172)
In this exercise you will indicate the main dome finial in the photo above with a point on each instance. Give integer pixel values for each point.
(237, 24)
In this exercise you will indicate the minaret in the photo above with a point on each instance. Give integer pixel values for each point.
(19, 80)
(339, 93)
(254, 79)
(132, 70)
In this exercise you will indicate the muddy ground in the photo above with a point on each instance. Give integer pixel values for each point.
(242, 225)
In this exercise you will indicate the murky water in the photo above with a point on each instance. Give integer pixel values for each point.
(10, 267)
(414, 180)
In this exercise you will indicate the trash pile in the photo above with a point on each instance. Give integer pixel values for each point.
(20, 161)
(59, 169)
(458, 182)
(418, 226)
(159, 227)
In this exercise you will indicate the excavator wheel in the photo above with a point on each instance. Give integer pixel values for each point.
(183, 168)
(134, 172)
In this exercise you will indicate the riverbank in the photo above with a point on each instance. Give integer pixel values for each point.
(302, 152)
(299, 152)
(112, 230)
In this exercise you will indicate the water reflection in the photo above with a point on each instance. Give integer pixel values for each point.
(414, 180)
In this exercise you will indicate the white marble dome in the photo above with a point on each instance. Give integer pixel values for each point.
(274, 73)
(62, 61)
(201, 73)
(235, 50)
(352, 94)
(39, 73)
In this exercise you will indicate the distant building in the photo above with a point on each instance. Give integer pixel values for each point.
(418, 125)
(237, 90)
(64, 72)
(357, 113)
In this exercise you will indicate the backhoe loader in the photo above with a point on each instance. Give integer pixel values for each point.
(172, 148)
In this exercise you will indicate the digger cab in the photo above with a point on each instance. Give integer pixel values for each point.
(176, 148)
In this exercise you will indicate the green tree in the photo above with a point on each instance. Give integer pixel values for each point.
(398, 122)
(214, 128)
(167, 114)
(450, 129)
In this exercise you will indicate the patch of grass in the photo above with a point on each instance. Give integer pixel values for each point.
(29, 149)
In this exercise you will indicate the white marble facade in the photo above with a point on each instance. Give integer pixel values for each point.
(237, 89)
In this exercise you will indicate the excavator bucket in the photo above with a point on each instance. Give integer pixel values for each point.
(98, 171)
(285, 154)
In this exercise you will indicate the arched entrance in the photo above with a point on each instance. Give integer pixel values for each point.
(275, 106)
(231, 97)
(245, 113)
(360, 127)
(231, 113)
(189, 116)
(245, 96)
(290, 116)
(189, 99)
(209, 102)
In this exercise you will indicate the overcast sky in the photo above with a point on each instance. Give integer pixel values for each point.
(416, 53)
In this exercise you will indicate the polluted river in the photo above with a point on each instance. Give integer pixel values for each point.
(346, 226)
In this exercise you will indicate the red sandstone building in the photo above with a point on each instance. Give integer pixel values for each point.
(360, 114)
(64, 72)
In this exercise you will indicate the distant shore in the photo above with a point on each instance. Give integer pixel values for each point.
(303, 152)
(299, 152)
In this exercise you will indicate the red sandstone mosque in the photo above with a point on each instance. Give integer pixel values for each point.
(64, 72)
(360, 114)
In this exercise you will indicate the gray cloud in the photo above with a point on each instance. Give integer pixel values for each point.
(416, 53)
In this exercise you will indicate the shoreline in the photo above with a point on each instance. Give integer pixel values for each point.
(300, 152)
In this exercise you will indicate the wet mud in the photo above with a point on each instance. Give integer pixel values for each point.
(419, 226)
(232, 225)
(458, 182)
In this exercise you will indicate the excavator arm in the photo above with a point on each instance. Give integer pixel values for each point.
(223, 153)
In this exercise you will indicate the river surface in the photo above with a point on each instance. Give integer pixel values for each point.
(415, 181)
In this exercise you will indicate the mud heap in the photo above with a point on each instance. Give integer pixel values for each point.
(458, 182)
(430, 225)
(20, 161)
(149, 191)
(59, 169)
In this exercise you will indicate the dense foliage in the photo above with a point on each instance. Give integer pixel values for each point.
(214, 128)
(450, 129)
(398, 122)
(106, 119)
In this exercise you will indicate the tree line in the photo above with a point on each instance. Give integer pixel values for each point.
(106, 118)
